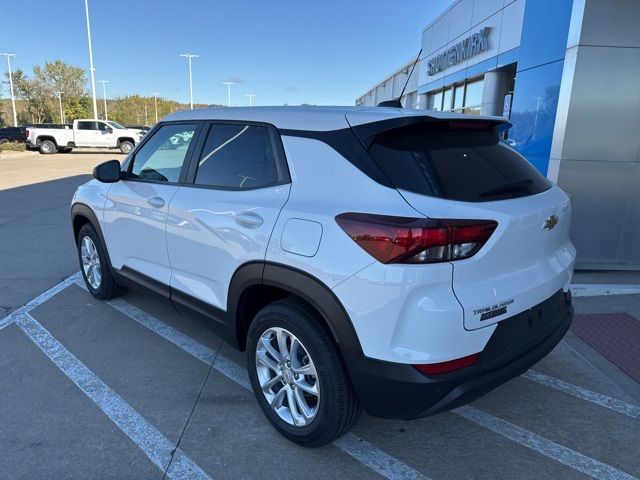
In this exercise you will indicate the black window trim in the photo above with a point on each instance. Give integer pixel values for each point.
(91, 122)
(127, 165)
(282, 168)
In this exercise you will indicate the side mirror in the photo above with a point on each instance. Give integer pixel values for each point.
(107, 172)
(109, 130)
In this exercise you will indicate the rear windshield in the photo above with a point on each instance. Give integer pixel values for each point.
(450, 161)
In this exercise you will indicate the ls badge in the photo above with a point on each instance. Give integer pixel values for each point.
(550, 223)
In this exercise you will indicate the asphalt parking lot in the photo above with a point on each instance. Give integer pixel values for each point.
(129, 389)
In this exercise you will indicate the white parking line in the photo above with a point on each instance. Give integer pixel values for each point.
(596, 290)
(370, 455)
(155, 445)
(605, 401)
(43, 297)
(376, 459)
(367, 454)
(560, 453)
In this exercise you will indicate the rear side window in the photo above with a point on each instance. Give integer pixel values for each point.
(237, 156)
(451, 161)
(87, 126)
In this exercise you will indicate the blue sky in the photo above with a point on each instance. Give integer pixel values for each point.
(323, 52)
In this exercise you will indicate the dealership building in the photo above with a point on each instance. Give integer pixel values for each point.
(566, 73)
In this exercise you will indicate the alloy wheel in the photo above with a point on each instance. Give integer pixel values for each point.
(91, 262)
(287, 377)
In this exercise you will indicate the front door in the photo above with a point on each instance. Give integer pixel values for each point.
(136, 209)
(224, 215)
(105, 137)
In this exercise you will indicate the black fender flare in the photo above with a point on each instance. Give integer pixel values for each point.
(83, 210)
(125, 139)
(305, 286)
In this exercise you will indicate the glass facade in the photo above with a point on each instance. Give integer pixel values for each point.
(463, 98)
(435, 101)
(446, 99)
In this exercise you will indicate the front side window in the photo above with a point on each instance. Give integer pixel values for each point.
(237, 156)
(160, 159)
(103, 127)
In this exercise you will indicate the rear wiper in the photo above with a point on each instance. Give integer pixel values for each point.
(523, 184)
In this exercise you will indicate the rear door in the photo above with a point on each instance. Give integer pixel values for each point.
(458, 170)
(85, 133)
(223, 217)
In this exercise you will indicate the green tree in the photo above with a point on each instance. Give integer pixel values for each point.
(76, 107)
(36, 96)
(39, 92)
(62, 77)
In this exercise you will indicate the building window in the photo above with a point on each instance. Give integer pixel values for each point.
(464, 98)
(435, 101)
(446, 99)
(473, 97)
(458, 101)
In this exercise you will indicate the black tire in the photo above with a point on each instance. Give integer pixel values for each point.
(4, 140)
(108, 287)
(47, 147)
(339, 407)
(126, 146)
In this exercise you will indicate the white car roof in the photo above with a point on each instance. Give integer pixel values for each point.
(311, 118)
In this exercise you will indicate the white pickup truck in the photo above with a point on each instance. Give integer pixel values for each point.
(83, 134)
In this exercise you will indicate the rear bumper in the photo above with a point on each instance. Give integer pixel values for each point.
(393, 390)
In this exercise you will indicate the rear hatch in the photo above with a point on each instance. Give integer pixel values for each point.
(460, 169)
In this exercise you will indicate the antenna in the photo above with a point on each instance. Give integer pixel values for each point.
(396, 102)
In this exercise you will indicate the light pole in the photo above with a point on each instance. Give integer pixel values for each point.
(155, 103)
(13, 98)
(250, 95)
(189, 56)
(61, 110)
(104, 97)
(91, 69)
(228, 84)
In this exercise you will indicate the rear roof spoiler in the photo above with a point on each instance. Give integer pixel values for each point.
(367, 132)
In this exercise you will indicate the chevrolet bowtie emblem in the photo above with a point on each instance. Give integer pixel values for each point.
(550, 222)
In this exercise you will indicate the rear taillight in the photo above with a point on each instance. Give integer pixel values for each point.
(448, 366)
(416, 240)
(26, 132)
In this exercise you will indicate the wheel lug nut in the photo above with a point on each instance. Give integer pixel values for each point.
(296, 376)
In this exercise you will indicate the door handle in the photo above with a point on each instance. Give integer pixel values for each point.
(249, 219)
(156, 201)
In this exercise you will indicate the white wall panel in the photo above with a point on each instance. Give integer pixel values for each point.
(460, 18)
(483, 9)
(511, 29)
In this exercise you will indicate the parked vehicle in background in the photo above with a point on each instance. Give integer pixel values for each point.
(49, 125)
(13, 134)
(400, 262)
(83, 134)
(144, 128)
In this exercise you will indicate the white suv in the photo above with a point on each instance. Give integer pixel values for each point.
(400, 262)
